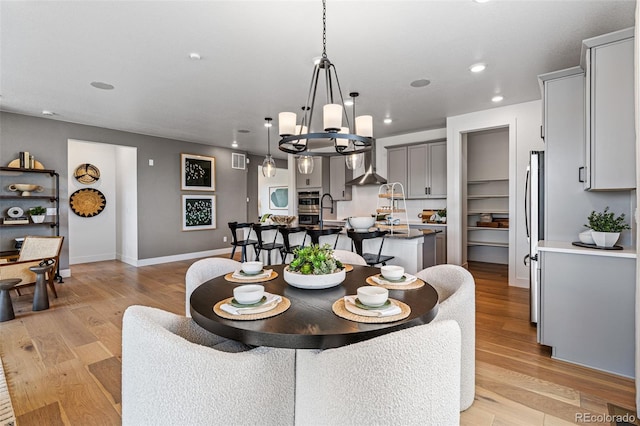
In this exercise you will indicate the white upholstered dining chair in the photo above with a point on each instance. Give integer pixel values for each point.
(350, 257)
(457, 300)
(407, 377)
(203, 270)
(176, 373)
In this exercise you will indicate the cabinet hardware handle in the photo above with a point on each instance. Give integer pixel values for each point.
(426, 190)
(307, 180)
(580, 174)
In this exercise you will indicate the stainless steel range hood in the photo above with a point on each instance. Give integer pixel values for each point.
(370, 177)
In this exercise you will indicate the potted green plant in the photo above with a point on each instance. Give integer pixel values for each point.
(442, 215)
(314, 267)
(606, 227)
(37, 214)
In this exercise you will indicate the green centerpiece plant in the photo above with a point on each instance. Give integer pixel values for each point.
(37, 214)
(315, 260)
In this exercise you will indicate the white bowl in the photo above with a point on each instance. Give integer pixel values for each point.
(361, 223)
(586, 237)
(248, 294)
(298, 280)
(392, 272)
(251, 267)
(373, 296)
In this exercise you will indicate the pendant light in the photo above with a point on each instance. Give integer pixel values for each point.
(268, 165)
(334, 139)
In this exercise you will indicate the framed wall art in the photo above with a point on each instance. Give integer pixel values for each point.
(198, 172)
(198, 212)
(278, 197)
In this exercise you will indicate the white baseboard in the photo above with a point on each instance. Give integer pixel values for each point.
(180, 257)
(65, 273)
(88, 259)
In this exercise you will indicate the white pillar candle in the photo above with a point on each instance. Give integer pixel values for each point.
(332, 114)
(286, 123)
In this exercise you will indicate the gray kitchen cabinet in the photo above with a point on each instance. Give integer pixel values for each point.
(441, 243)
(610, 130)
(397, 165)
(338, 176)
(421, 168)
(313, 180)
(587, 309)
(427, 170)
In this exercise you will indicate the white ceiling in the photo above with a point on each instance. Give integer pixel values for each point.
(257, 59)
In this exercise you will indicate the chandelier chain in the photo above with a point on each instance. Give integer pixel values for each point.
(324, 28)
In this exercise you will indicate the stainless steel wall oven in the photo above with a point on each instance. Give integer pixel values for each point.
(308, 207)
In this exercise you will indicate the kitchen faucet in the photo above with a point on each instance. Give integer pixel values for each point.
(322, 207)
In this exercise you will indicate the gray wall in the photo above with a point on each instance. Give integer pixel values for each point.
(159, 195)
(252, 183)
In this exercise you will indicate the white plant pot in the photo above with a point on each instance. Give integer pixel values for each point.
(605, 239)
(313, 281)
(39, 218)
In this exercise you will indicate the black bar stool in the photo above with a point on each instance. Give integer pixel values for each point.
(235, 226)
(372, 259)
(288, 248)
(268, 246)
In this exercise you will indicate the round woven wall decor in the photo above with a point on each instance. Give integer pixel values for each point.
(87, 173)
(87, 202)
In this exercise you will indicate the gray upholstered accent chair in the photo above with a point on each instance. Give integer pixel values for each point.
(203, 270)
(457, 297)
(176, 373)
(350, 257)
(407, 377)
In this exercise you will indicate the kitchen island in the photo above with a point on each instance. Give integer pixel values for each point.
(413, 250)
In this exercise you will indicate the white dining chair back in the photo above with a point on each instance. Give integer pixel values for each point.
(407, 377)
(203, 270)
(174, 373)
(349, 257)
(457, 301)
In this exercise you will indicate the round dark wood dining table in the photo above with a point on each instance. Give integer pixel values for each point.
(309, 323)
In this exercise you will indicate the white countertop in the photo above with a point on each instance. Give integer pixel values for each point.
(567, 247)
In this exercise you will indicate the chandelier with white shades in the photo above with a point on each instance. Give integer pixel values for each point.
(339, 136)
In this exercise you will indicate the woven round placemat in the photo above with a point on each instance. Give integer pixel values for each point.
(340, 310)
(280, 308)
(229, 277)
(411, 286)
(347, 267)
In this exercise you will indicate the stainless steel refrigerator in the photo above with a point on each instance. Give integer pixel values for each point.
(534, 210)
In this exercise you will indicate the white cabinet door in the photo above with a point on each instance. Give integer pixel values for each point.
(610, 142)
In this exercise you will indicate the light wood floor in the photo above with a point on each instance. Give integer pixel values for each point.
(63, 364)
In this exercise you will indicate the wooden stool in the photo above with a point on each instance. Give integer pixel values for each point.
(6, 307)
(40, 295)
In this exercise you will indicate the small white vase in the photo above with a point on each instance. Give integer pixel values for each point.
(605, 239)
(38, 218)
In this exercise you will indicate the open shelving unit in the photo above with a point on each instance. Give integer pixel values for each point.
(487, 197)
(392, 201)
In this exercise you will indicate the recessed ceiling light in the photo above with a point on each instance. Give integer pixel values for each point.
(387, 120)
(481, 1)
(316, 60)
(479, 67)
(47, 112)
(497, 98)
(101, 85)
(348, 102)
(195, 56)
(420, 83)
(234, 144)
(268, 123)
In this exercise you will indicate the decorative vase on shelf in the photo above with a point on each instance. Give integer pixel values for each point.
(605, 239)
(38, 218)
